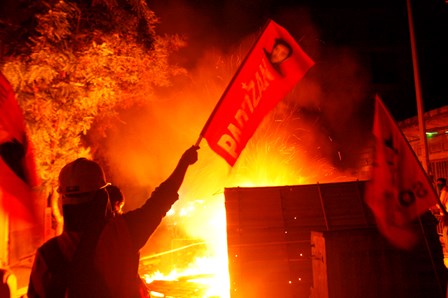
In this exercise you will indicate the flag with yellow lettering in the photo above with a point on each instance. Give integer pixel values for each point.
(271, 69)
(399, 190)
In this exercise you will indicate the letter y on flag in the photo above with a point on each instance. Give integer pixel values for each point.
(399, 190)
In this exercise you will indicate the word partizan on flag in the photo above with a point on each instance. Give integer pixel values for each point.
(399, 190)
(269, 72)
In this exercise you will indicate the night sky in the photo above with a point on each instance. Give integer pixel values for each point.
(374, 32)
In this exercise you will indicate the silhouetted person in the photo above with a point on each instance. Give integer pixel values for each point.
(442, 191)
(116, 199)
(97, 255)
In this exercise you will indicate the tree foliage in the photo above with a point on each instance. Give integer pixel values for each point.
(82, 62)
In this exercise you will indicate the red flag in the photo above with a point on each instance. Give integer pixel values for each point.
(17, 165)
(271, 69)
(399, 190)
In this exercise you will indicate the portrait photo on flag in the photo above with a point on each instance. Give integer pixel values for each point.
(271, 69)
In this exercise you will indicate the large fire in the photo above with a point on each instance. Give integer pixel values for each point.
(197, 259)
(288, 148)
(209, 270)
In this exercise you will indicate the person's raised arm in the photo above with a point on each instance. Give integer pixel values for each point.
(176, 178)
(143, 221)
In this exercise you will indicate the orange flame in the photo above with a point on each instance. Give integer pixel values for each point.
(270, 159)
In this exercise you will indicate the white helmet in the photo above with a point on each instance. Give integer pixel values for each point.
(81, 176)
